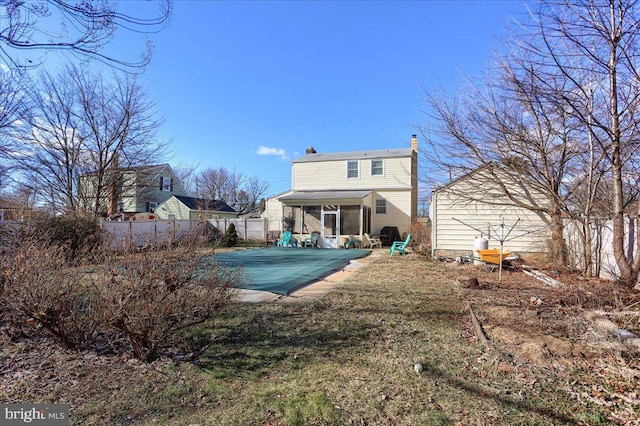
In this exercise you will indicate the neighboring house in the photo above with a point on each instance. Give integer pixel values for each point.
(181, 207)
(348, 194)
(473, 206)
(138, 189)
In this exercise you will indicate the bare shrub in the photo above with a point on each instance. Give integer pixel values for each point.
(79, 236)
(421, 238)
(142, 296)
(39, 290)
(151, 295)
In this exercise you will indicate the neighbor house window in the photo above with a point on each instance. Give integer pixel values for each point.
(151, 207)
(381, 206)
(377, 168)
(166, 184)
(352, 169)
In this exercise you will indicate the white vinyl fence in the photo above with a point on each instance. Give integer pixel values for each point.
(142, 232)
(602, 245)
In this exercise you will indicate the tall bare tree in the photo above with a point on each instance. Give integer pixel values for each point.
(243, 193)
(86, 131)
(83, 28)
(594, 44)
(12, 109)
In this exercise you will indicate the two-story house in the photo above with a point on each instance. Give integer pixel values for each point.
(133, 189)
(347, 194)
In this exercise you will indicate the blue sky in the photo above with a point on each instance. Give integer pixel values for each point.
(249, 85)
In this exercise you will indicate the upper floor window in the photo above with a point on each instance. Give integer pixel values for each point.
(377, 168)
(166, 184)
(381, 206)
(352, 170)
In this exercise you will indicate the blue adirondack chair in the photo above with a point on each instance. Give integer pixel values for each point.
(400, 246)
(285, 240)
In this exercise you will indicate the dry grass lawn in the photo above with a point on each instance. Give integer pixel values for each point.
(348, 358)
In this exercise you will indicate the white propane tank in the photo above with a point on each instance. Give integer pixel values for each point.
(479, 243)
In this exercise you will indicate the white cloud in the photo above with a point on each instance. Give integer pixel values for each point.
(278, 152)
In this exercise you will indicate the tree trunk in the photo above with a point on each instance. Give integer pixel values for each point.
(557, 248)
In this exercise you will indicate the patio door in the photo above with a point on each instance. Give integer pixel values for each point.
(329, 229)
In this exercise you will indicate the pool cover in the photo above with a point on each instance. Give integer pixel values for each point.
(283, 270)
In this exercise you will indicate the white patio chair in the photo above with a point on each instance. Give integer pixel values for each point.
(372, 241)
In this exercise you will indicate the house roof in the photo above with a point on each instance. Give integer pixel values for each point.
(158, 168)
(202, 204)
(324, 195)
(355, 155)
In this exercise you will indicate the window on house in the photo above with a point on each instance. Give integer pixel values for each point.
(381, 206)
(352, 169)
(151, 207)
(377, 168)
(166, 184)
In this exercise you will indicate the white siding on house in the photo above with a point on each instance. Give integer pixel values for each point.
(398, 211)
(334, 175)
(319, 179)
(273, 212)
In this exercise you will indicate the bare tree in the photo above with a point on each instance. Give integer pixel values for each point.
(186, 174)
(87, 129)
(83, 28)
(595, 46)
(12, 110)
(510, 133)
(240, 192)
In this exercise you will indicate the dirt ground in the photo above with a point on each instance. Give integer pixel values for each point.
(558, 321)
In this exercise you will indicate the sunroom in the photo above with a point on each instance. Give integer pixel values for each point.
(335, 215)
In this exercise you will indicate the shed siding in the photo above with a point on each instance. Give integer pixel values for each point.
(454, 219)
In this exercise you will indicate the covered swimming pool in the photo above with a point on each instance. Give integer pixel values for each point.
(283, 270)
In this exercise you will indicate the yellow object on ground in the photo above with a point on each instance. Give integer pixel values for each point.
(492, 255)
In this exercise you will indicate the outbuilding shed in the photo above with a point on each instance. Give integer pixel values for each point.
(475, 206)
